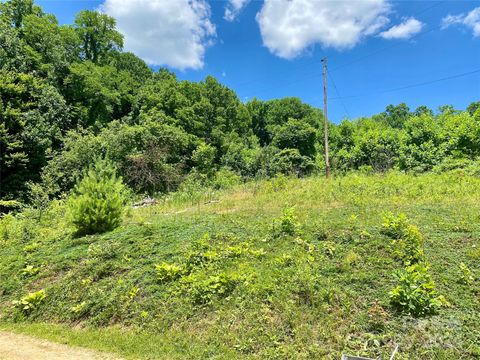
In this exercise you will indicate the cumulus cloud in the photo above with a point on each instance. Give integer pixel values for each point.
(470, 20)
(405, 30)
(164, 32)
(288, 27)
(233, 8)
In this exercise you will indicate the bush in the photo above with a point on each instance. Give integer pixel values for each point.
(96, 204)
(288, 222)
(394, 226)
(415, 293)
(203, 290)
(168, 272)
(30, 302)
(410, 246)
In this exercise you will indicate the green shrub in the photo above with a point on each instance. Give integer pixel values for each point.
(288, 222)
(466, 276)
(204, 290)
(96, 204)
(168, 272)
(415, 292)
(410, 246)
(30, 302)
(394, 226)
(225, 179)
(30, 270)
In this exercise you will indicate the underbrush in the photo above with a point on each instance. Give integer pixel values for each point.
(284, 268)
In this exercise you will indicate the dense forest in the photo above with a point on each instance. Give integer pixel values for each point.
(70, 95)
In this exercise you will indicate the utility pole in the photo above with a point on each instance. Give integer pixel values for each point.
(325, 118)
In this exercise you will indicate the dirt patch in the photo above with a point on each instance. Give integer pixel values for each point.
(21, 347)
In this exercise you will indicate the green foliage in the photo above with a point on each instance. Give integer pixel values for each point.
(168, 272)
(32, 117)
(7, 206)
(329, 278)
(415, 292)
(98, 35)
(30, 302)
(408, 240)
(286, 225)
(202, 290)
(410, 246)
(298, 135)
(30, 270)
(466, 276)
(96, 204)
(395, 226)
(204, 158)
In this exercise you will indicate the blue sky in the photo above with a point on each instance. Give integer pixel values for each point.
(266, 50)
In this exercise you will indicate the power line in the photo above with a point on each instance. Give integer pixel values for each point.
(338, 94)
(410, 86)
(396, 44)
(311, 73)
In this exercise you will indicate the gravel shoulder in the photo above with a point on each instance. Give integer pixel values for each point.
(22, 347)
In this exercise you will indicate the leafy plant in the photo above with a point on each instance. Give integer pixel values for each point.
(29, 302)
(466, 276)
(203, 290)
(410, 246)
(329, 248)
(168, 272)
(30, 270)
(415, 292)
(285, 260)
(288, 222)
(96, 204)
(394, 226)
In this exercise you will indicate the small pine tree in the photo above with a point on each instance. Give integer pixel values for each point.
(96, 204)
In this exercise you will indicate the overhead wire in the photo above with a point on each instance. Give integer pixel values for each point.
(338, 94)
(411, 85)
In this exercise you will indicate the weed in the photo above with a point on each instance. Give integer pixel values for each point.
(409, 248)
(203, 290)
(30, 248)
(466, 276)
(168, 272)
(285, 260)
(79, 308)
(394, 226)
(29, 302)
(30, 270)
(329, 248)
(352, 258)
(287, 224)
(415, 292)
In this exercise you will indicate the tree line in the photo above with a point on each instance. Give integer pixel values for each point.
(69, 95)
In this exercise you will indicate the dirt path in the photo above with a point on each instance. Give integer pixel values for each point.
(21, 347)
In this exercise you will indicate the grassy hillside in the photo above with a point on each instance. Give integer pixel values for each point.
(277, 269)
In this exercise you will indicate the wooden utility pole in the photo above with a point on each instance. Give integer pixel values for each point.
(325, 118)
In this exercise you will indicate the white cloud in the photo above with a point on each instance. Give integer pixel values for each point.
(405, 30)
(470, 20)
(288, 27)
(164, 32)
(233, 8)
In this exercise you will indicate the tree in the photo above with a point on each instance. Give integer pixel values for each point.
(33, 118)
(422, 110)
(396, 116)
(96, 204)
(298, 135)
(421, 144)
(473, 107)
(14, 11)
(98, 35)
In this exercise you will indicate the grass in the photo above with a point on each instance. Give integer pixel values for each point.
(246, 289)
